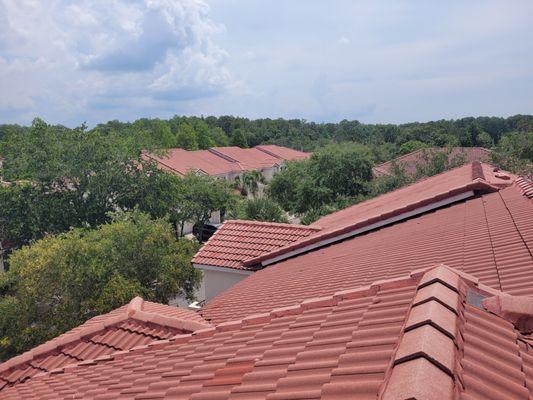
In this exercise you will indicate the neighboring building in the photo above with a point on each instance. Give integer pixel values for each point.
(422, 293)
(222, 258)
(410, 162)
(228, 162)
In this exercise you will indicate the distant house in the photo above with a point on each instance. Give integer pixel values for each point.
(228, 162)
(409, 162)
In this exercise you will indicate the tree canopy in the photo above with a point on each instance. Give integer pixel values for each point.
(62, 280)
(337, 174)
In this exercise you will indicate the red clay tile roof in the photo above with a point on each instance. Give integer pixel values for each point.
(428, 192)
(249, 159)
(418, 157)
(416, 337)
(223, 160)
(183, 161)
(490, 236)
(284, 153)
(137, 323)
(236, 241)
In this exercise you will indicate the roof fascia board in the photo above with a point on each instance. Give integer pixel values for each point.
(370, 227)
(222, 269)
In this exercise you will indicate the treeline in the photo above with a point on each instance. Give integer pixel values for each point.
(388, 139)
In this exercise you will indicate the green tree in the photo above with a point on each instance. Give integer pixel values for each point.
(262, 209)
(248, 182)
(332, 174)
(284, 187)
(410, 146)
(186, 137)
(203, 134)
(514, 153)
(484, 140)
(198, 198)
(239, 138)
(61, 281)
(220, 138)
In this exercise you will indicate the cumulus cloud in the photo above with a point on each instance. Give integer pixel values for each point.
(74, 55)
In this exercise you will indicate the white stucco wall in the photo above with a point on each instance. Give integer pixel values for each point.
(216, 280)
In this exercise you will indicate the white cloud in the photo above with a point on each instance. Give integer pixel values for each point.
(344, 40)
(58, 58)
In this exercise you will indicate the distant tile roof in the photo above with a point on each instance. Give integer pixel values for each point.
(236, 241)
(249, 159)
(284, 153)
(418, 157)
(490, 236)
(183, 161)
(477, 177)
(223, 160)
(137, 323)
(415, 337)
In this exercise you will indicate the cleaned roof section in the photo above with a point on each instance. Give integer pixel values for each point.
(410, 161)
(490, 237)
(475, 177)
(137, 323)
(223, 160)
(412, 337)
(236, 241)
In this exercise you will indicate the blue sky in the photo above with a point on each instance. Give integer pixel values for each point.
(375, 61)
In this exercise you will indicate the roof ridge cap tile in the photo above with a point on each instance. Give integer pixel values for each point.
(477, 171)
(426, 350)
(525, 185)
(136, 304)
